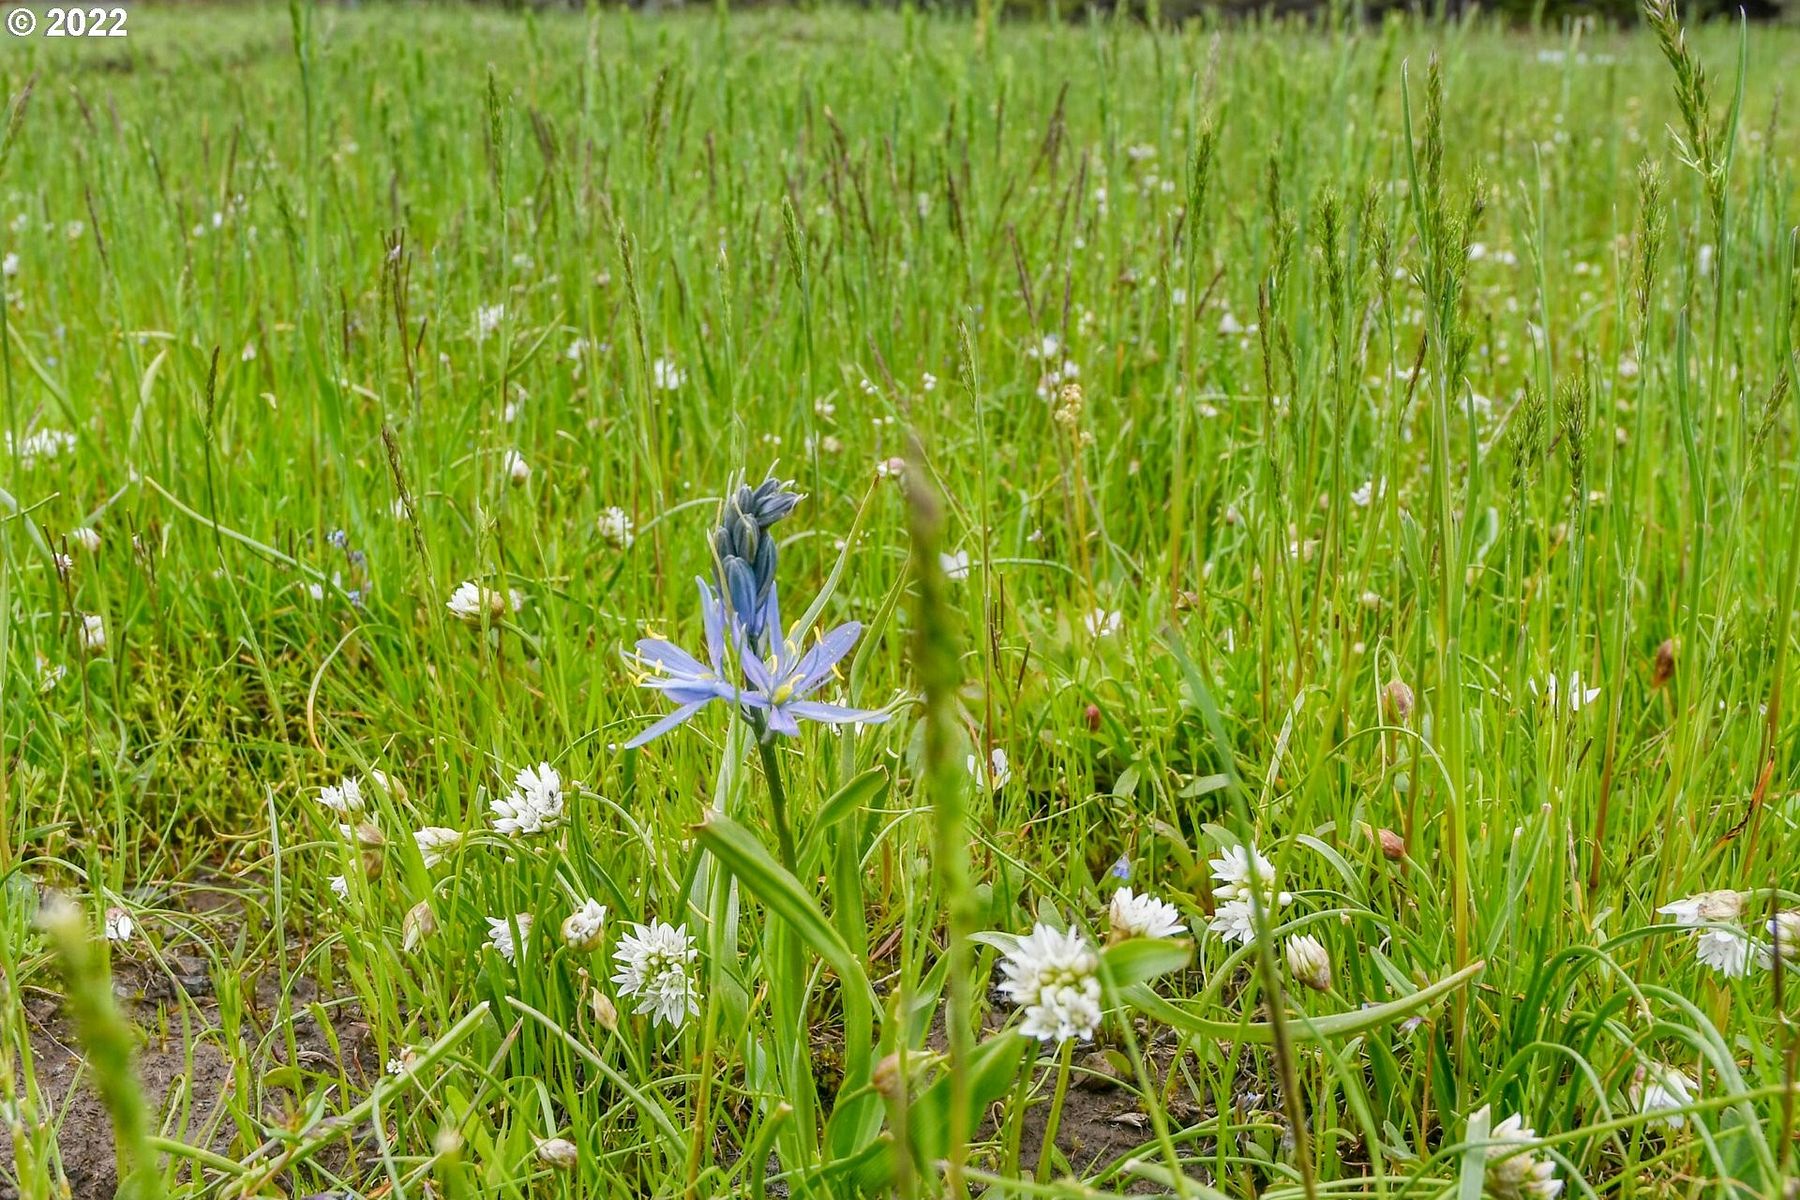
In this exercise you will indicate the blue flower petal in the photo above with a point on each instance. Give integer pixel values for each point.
(815, 665)
(672, 659)
(835, 714)
(678, 717)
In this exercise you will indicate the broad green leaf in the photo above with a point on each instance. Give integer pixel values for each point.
(744, 856)
(1139, 960)
(859, 793)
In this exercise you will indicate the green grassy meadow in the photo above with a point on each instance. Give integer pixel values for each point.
(1376, 444)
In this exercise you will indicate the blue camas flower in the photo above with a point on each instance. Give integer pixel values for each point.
(774, 680)
(780, 686)
(679, 675)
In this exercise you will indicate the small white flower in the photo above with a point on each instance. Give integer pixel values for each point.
(488, 318)
(1657, 1088)
(890, 468)
(93, 632)
(534, 805)
(84, 538)
(666, 376)
(1143, 916)
(956, 566)
(63, 563)
(44, 443)
(435, 842)
(1051, 382)
(1718, 941)
(1579, 697)
(996, 775)
(653, 967)
(1238, 870)
(1051, 974)
(928, 382)
(584, 927)
(1698, 911)
(560, 1153)
(340, 887)
(615, 527)
(516, 468)
(1234, 921)
(500, 934)
(49, 674)
(10, 265)
(119, 925)
(1309, 962)
(1102, 623)
(1512, 1175)
(471, 600)
(1727, 951)
(347, 799)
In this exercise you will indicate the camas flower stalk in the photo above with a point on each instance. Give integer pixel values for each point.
(774, 680)
(744, 554)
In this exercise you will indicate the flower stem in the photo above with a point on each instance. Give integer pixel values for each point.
(1056, 1106)
(784, 837)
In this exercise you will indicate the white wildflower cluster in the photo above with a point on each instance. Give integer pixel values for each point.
(507, 934)
(534, 805)
(1053, 974)
(119, 926)
(1515, 1174)
(615, 528)
(585, 928)
(1059, 369)
(436, 843)
(487, 320)
(345, 797)
(1136, 915)
(1723, 944)
(472, 602)
(654, 963)
(1103, 623)
(665, 376)
(1240, 872)
(40, 445)
(1662, 1089)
